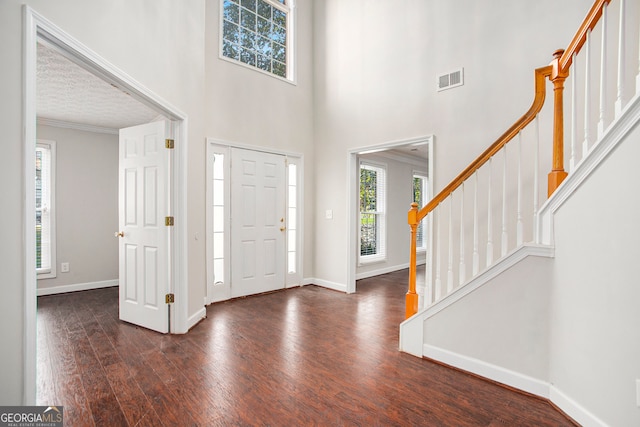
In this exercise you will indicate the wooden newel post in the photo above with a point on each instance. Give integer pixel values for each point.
(412, 296)
(558, 76)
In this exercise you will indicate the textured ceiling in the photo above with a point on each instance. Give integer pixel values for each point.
(68, 93)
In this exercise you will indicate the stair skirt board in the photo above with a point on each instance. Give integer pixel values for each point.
(515, 380)
(487, 370)
(61, 289)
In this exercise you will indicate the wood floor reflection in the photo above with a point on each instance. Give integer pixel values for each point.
(301, 357)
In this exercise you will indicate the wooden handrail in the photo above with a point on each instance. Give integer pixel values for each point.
(579, 39)
(540, 92)
(557, 72)
(414, 216)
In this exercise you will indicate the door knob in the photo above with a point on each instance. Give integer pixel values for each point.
(283, 228)
(119, 234)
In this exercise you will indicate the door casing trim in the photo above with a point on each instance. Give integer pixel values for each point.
(213, 143)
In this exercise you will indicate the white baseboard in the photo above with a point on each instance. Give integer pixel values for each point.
(574, 410)
(77, 287)
(325, 284)
(516, 380)
(196, 317)
(488, 370)
(385, 270)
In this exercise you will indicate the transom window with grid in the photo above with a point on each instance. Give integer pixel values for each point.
(257, 33)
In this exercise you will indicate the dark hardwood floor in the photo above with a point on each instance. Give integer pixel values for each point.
(301, 357)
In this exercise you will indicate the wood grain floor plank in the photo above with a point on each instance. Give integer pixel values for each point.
(304, 356)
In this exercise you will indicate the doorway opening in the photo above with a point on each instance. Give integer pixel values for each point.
(38, 30)
(383, 182)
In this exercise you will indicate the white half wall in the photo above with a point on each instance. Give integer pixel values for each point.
(502, 323)
(594, 323)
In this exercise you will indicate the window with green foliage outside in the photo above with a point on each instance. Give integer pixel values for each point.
(372, 212)
(420, 197)
(256, 33)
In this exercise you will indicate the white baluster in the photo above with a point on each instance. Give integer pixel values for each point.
(505, 235)
(519, 225)
(587, 95)
(461, 273)
(489, 219)
(476, 255)
(536, 184)
(603, 72)
(621, 44)
(438, 284)
(450, 266)
(574, 124)
(429, 267)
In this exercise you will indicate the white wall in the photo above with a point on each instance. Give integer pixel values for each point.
(158, 43)
(375, 81)
(595, 341)
(86, 205)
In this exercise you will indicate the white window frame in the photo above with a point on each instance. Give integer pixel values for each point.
(290, 45)
(294, 221)
(218, 290)
(48, 211)
(381, 212)
(425, 198)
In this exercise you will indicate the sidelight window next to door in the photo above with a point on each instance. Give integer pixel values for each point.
(45, 209)
(253, 222)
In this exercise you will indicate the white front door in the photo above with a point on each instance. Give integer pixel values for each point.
(145, 259)
(257, 222)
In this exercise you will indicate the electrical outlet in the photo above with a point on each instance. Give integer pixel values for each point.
(328, 214)
(64, 267)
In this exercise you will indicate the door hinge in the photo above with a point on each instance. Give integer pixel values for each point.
(168, 143)
(169, 298)
(168, 221)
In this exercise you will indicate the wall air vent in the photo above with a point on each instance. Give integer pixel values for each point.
(451, 80)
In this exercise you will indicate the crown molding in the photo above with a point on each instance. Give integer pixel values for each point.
(76, 126)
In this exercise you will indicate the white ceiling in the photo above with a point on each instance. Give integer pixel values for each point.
(420, 151)
(68, 93)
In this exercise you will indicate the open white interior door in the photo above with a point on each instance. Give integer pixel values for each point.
(258, 222)
(144, 247)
